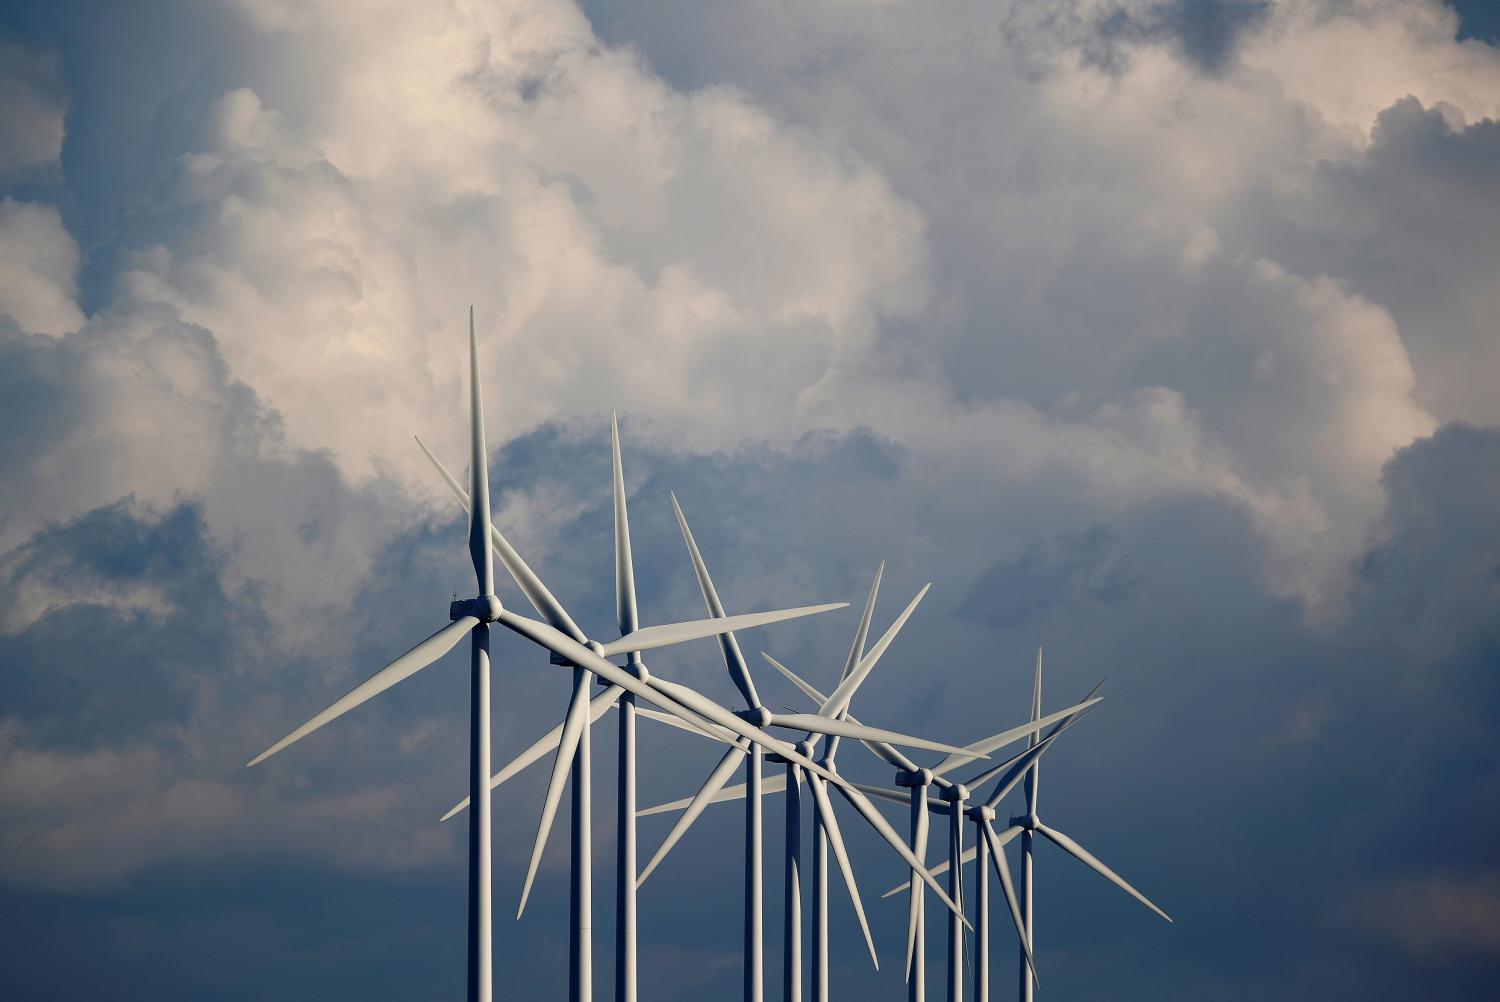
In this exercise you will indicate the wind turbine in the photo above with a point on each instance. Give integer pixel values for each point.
(470, 617)
(916, 779)
(473, 617)
(987, 846)
(1030, 825)
(1026, 766)
(571, 737)
(828, 721)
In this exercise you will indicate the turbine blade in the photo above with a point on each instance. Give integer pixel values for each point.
(894, 796)
(1088, 859)
(1004, 738)
(408, 664)
(937, 871)
(562, 764)
(830, 824)
(652, 637)
(479, 489)
(542, 600)
(846, 728)
(838, 701)
(625, 611)
(880, 824)
(1002, 870)
(881, 750)
(678, 700)
(705, 795)
(856, 651)
(1017, 768)
(714, 731)
(598, 707)
(734, 659)
(1034, 775)
(774, 783)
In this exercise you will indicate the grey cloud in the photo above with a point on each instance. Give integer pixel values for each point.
(1442, 916)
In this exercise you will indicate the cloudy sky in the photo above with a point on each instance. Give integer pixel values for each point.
(1160, 333)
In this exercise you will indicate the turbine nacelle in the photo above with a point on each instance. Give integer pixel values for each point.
(757, 716)
(956, 793)
(1030, 822)
(485, 608)
(914, 777)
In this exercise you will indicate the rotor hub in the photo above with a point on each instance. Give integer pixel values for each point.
(485, 608)
(921, 777)
(982, 812)
(757, 716)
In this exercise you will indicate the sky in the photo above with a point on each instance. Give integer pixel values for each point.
(1162, 334)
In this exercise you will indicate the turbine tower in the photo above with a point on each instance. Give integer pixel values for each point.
(829, 720)
(570, 739)
(470, 617)
(987, 849)
(916, 777)
(473, 617)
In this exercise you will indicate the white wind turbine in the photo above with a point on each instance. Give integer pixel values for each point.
(473, 617)
(987, 846)
(571, 737)
(829, 720)
(915, 779)
(1029, 825)
(825, 823)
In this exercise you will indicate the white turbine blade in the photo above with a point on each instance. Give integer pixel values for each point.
(598, 707)
(716, 732)
(408, 664)
(1016, 769)
(625, 611)
(849, 729)
(652, 637)
(705, 796)
(886, 753)
(1002, 870)
(1034, 775)
(479, 488)
(679, 700)
(880, 824)
(838, 700)
(734, 659)
(894, 796)
(542, 600)
(1004, 738)
(937, 871)
(841, 855)
(774, 783)
(562, 764)
(1088, 859)
(856, 651)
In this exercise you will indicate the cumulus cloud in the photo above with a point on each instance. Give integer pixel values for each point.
(38, 268)
(1138, 327)
(32, 104)
(1442, 916)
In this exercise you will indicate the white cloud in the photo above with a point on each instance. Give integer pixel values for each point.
(32, 105)
(38, 268)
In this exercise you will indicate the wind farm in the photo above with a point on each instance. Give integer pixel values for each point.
(809, 767)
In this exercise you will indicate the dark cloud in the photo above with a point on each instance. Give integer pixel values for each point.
(1142, 410)
(1204, 31)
